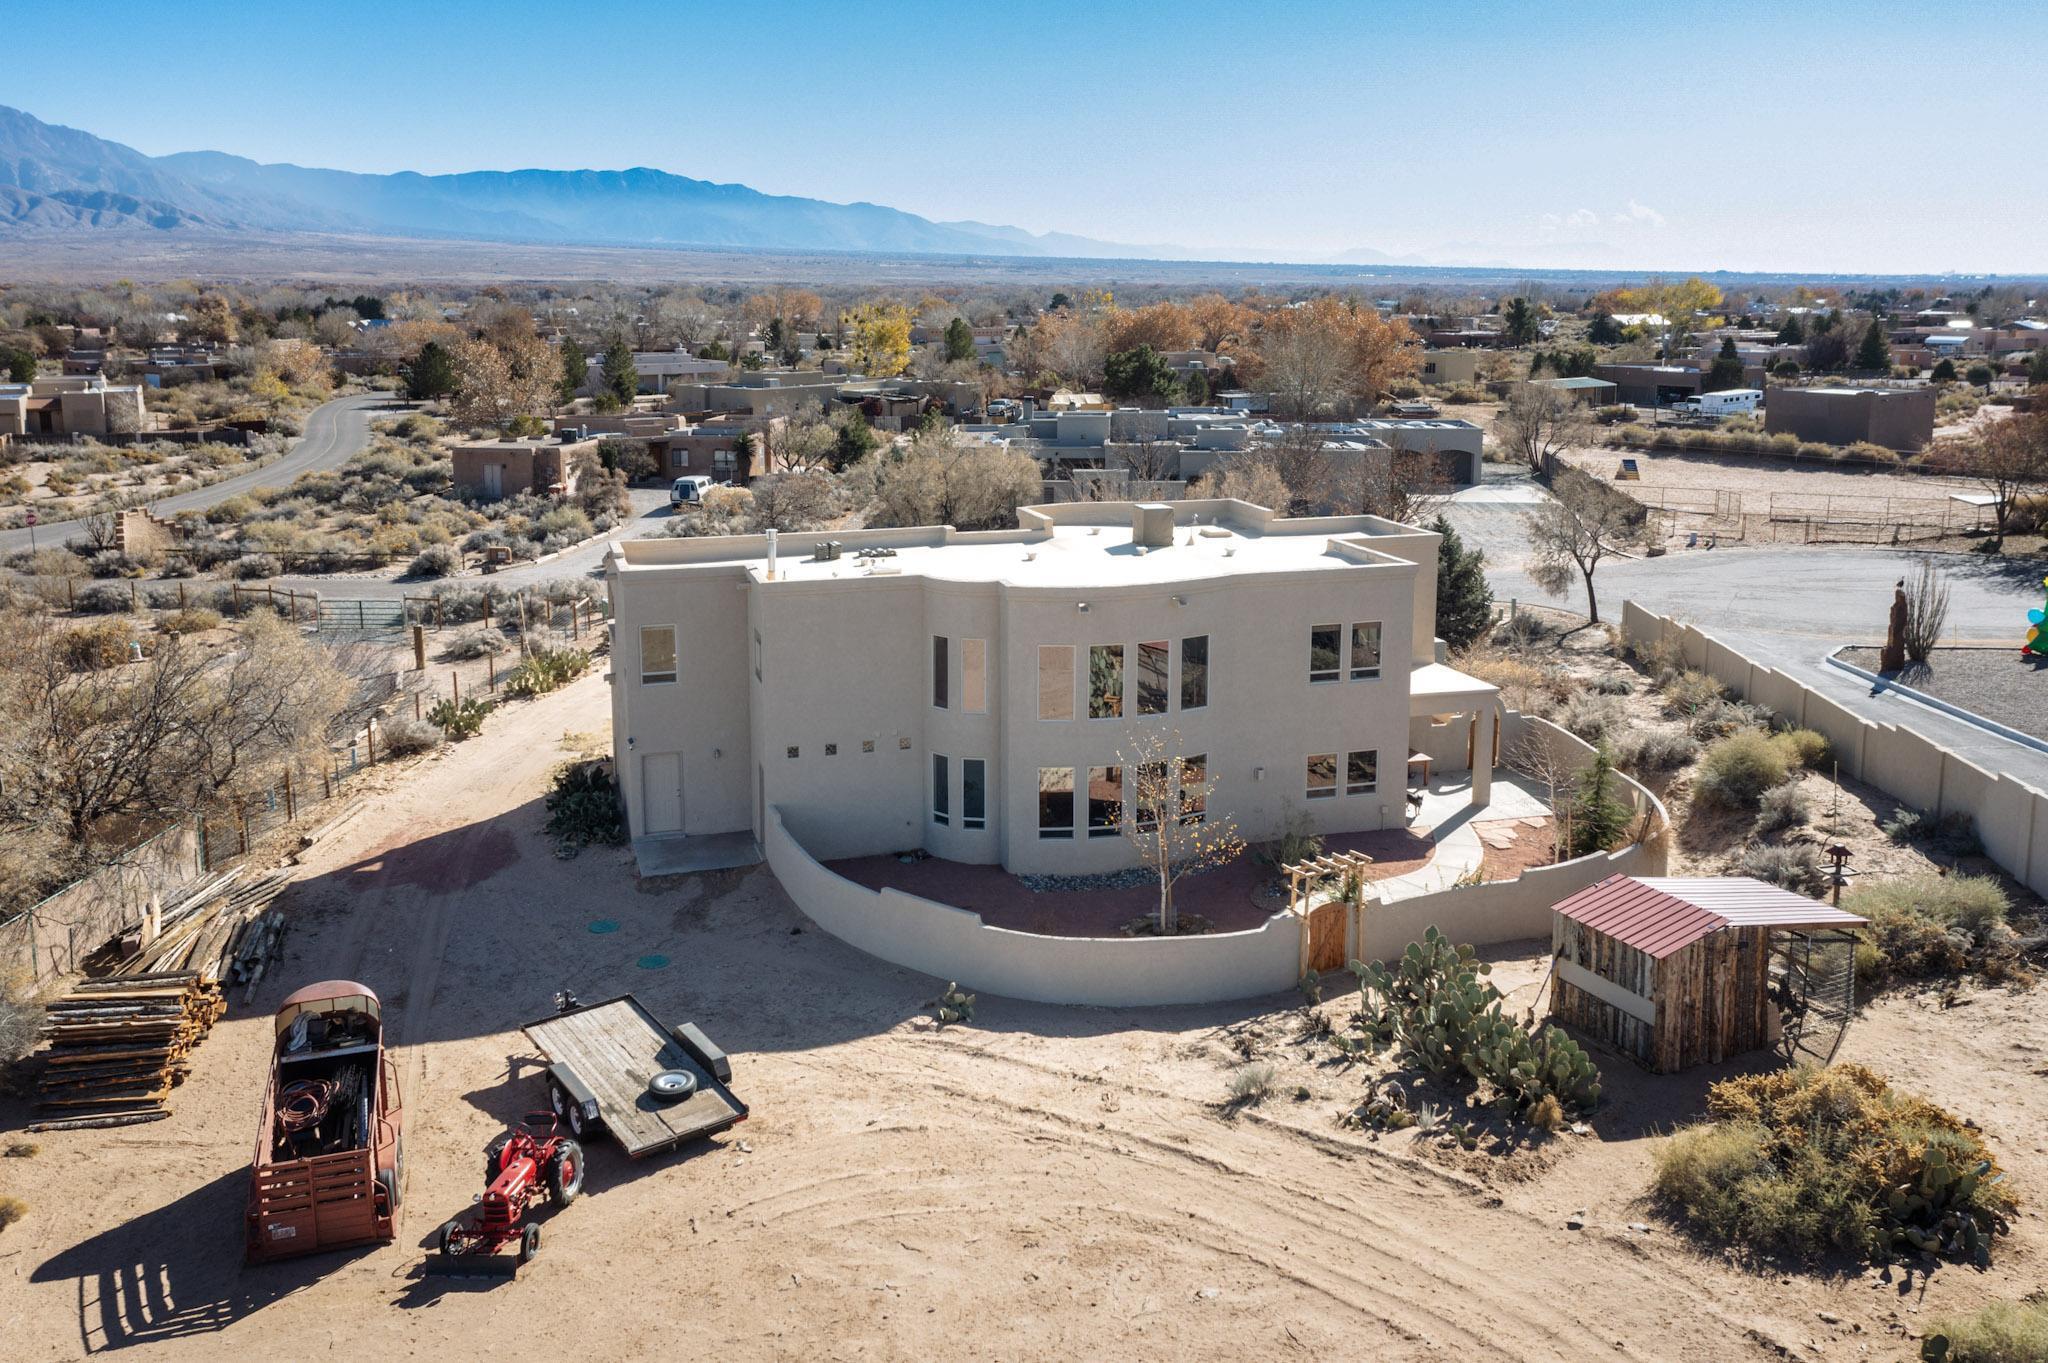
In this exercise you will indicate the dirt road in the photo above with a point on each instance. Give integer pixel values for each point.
(1045, 1183)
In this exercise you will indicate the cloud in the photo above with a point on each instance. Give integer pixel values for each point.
(1640, 214)
(1578, 220)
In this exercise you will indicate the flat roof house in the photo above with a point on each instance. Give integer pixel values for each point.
(72, 405)
(976, 694)
(1650, 385)
(1897, 418)
(505, 468)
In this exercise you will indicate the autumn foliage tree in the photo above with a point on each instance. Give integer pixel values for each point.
(1329, 349)
(498, 381)
(1168, 821)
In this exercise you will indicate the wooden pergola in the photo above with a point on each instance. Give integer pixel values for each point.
(1328, 929)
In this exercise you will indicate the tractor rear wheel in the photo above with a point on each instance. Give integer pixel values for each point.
(493, 1154)
(529, 1243)
(565, 1173)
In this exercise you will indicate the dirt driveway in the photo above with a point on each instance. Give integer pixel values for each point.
(1048, 1183)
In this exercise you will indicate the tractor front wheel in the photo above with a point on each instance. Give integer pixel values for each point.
(529, 1243)
(452, 1239)
(565, 1173)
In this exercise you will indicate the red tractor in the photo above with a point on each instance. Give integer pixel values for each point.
(517, 1166)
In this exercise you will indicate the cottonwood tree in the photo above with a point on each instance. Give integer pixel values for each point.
(1314, 355)
(941, 478)
(1584, 523)
(1245, 478)
(1168, 821)
(497, 383)
(1537, 424)
(2008, 461)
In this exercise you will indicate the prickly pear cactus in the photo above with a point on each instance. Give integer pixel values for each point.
(953, 1005)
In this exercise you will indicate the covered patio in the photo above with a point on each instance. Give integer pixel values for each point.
(1453, 727)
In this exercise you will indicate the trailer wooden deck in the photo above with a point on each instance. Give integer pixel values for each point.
(615, 1048)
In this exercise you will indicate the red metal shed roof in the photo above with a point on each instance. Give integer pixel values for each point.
(1662, 915)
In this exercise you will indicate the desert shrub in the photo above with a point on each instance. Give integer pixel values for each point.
(192, 620)
(459, 719)
(1796, 868)
(583, 807)
(1593, 717)
(436, 560)
(563, 522)
(1904, 826)
(1931, 925)
(113, 563)
(1298, 840)
(1614, 686)
(12, 1209)
(104, 598)
(1524, 686)
(1783, 807)
(250, 566)
(1718, 719)
(1735, 771)
(1689, 691)
(1806, 748)
(1657, 750)
(1522, 629)
(2002, 1332)
(1251, 1084)
(472, 644)
(1954, 834)
(21, 1017)
(546, 671)
(1812, 1163)
(402, 737)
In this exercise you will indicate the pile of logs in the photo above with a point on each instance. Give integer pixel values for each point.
(218, 928)
(118, 1047)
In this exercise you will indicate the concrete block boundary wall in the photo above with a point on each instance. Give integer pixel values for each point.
(2011, 816)
(954, 944)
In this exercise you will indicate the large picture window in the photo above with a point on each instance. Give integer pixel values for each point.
(658, 653)
(1055, 802)
(1365, 651)
(1055, 681)
(1325, 653)
(1105, 800)
(973, 793)
(942, 804)
(1322, 776)
(974, 676)
(1152, 678)
(1362, 772)
(1106, 681)
(1194, 672)
(940, 687)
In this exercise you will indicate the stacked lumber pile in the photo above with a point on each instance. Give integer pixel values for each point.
(220, 928)
(118, 1047)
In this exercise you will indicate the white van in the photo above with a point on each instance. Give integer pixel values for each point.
(689, 490)
(1727, 402)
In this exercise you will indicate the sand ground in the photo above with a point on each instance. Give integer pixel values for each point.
(1044, 1183)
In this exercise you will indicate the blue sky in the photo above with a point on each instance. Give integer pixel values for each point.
(1809, 136)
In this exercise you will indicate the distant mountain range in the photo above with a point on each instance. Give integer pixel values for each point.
(60, 180)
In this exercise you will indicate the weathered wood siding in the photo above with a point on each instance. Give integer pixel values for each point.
(1711, 999)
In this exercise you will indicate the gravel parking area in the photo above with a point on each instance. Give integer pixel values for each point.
(1758, 478)
(1998, 683)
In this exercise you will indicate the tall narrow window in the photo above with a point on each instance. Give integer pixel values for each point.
(973, 793)
(939, 679)
(1325, 653)
(1194, 801)
(942, 803)
(658, 653)
(1106, 681)
(1362, 772)
(1055, 802)
(1152, 680)
(1322, 776)
(974, 676)
(1365, 651)
(1055, 681)
(1105, 800)
(1194, 672)
(1154, 790)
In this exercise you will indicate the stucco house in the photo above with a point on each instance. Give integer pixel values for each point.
(73, 405)
(506, 468)
(975, 694)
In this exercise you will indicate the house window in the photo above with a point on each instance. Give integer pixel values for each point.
(657, 653)
(973, 793)
(757, 655)
(1153, 791)
(725, 466)
(1106, 681)
(1105, 800)
(974, 676)
(1322, 776)
(791, 752)
(1325, 653)
(942, 809)
(867, 745)
(1055, 681)
(831, 750)
(1152, 691)
(1055, 802)
(1194, 774)
(1365, 651)
(939, 679)
(903, 744)
(1362, 772)
(1194, 672)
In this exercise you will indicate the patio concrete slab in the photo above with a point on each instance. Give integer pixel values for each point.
(674, 854)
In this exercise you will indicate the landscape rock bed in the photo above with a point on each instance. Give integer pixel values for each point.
(1995, 683)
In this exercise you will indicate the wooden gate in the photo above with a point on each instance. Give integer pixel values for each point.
(1327, 949)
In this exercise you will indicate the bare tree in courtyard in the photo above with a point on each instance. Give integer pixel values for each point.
(1585, 522)
(1537, 423)
(1168, 820)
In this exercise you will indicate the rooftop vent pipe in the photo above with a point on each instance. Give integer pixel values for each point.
(771, 556)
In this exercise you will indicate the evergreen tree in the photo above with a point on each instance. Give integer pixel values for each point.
(432, 374)
(21, 364)
(621, 379)
(1793, 332)
(2037, 367)
(855, 442)
(1600, 818)
(1944, 371)
(1875, 351)
(1518, 320)
(1142, 373)
(1726, 371)
(1464, 603)
(575, 367)
(1604, 330)
(959, 341)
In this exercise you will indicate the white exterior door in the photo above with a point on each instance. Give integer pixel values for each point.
(494, 480)
(661, 793)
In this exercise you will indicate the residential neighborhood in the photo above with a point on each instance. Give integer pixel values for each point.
(1468, 779)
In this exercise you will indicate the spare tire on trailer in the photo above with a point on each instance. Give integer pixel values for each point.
(565, 1173)
(672, 1086)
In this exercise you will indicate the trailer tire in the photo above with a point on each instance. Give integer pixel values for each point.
(388, 1182)
(529, 1243)
(565, 1173)
(394, 1177)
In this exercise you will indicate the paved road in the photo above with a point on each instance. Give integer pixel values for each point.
(334, 431)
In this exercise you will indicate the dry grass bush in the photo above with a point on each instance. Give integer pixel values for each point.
(1781, 808)
(193, 620)
(1795, 867)
(1933, 926)
(98, 646)
(1805, 1164)
(1656, 750)
(402, 737)
(1736, 770)
(1532, 688)
(12, 1209)
(2002, 1332)
(472, 644)
(1594, 717)
(1806, 748)
(1251, 1084)
(1687, 691)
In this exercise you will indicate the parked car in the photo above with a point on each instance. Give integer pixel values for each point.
(688, 490)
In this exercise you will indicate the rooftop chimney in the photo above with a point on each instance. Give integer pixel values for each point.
(1152, 525)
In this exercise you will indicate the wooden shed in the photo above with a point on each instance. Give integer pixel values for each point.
(1683, 972)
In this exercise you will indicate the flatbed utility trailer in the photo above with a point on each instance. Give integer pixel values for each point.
(614, 1066)
(330, 1152)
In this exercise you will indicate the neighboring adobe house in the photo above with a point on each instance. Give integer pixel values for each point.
(1450, 368)
(548, 467)
(73, 405)
(976, 694)
(1897, 418)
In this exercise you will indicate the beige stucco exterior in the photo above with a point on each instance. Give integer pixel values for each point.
(842, 675)
(73, 405)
